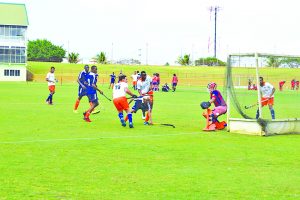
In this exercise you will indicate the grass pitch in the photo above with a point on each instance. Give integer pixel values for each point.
(48, 152)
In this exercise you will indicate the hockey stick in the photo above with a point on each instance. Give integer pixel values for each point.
(106, 97)
(167, 125)
(251, 106)
(95, 112)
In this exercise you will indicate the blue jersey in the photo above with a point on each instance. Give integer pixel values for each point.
(91, 79)
(219, 101)
(82, 77)
(112, 78)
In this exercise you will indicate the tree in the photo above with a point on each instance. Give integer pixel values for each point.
(290, 62)
(73, 57)
(101, 58)
(273, 61)
(209, 61)
(44, 51)
(185, 60)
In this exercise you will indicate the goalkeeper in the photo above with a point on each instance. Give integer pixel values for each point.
(217, 99)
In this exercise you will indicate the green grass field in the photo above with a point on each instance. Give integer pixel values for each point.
(48, 152)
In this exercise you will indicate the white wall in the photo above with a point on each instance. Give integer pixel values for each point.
(22, 76)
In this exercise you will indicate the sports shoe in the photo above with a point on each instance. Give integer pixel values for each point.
(87, 119)
(146, 123)
(130, 125)
(123, 122)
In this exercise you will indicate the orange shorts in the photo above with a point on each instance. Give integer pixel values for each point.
(151, 95)
(134, 83)
(266, 101)
(51, 88)
(121, 104)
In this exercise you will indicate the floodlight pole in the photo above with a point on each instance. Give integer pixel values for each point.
(215, 9)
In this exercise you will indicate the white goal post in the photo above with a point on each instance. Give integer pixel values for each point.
(261, 126)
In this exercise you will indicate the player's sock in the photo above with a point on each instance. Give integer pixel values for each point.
(272, 113)
(147, 117)
(87, 114)
(143, 117)
(213, 118)
(121, 116)
(50, 100)
(129, 116)
(76, 104)
(257, 114)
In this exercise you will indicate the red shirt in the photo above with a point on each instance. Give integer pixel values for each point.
(175, 79)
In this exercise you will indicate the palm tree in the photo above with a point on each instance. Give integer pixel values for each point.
(101, 58)
(185, 60)
(73, 57)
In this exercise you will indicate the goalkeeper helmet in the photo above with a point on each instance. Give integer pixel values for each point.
(212, 86)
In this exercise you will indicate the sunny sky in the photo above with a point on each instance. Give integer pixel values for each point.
(158, 31)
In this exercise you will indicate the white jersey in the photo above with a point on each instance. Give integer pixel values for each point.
(134, 77)
(119, 90)
(266, 90)
(144, 86)
(51, 78)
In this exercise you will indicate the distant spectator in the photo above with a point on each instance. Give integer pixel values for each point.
(134, 77)
(254, 87)
(158, 80)
(165, 88)
(293, 82)
(174, 82)
(281, 83)
(297, 85)
(112, 80)
(249, 84)
(155, 82)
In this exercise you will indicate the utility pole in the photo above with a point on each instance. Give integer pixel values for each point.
(215, 9)
(140, 55)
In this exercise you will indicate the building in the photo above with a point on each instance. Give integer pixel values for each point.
(13, 42)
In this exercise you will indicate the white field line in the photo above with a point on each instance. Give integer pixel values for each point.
(96, 138)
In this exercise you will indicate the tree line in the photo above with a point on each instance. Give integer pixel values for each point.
(45, 51)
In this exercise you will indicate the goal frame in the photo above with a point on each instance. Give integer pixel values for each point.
(286, 126)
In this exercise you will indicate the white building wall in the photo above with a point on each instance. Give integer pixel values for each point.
(22, 77)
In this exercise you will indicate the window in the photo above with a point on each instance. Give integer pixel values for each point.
(13, 32)
(17, 72)
(13, 54)
(11, 72)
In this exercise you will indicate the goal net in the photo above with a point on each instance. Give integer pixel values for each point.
(244, 95)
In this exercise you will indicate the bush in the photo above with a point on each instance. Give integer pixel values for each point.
(44, 51)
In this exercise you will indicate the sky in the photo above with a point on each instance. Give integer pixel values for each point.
(158, 31)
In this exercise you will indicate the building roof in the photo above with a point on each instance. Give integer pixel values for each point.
(13, 14)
